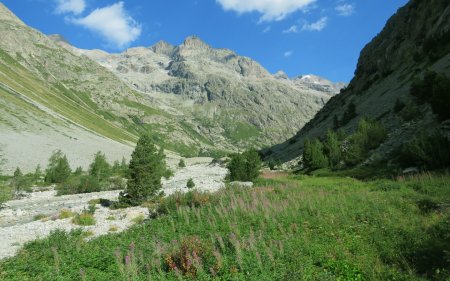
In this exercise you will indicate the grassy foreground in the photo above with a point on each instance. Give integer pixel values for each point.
(287, 228)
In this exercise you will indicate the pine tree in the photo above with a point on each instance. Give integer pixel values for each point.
(332, 148)
(318, 158)
(58, 169)
(100, 168)
(307, 154)
(245, 166)
(146, 168)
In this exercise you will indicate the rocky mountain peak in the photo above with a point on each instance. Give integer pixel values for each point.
(163, 48)
(194, 42)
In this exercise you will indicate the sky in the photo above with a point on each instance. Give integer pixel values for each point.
(321, 37)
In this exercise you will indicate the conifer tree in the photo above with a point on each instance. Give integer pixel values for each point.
(58, 169)
(146, 168)
(100, 168)
(332, 148)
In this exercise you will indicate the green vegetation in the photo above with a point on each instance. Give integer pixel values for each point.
(181, 164)
(245, 166)
(100, 168)
(427, 151)
(83, 219)
(58, 169)
(147, 166)
(286, 228)
(241, 131)
(339, 151)
(434, 89)
(190, 183)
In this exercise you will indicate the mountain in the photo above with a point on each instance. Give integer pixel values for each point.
(414, 41)
(231, 100)
(192, 99)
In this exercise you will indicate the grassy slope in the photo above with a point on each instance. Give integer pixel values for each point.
(288, 228)
(58, 99)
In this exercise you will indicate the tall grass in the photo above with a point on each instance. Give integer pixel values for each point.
(287, 228)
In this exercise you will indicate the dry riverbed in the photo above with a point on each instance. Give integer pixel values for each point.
(17, 220)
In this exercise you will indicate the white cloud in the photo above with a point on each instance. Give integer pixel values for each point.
(288, 53)
(267, 29)
(271, 10)
(345, 9)
(292, 29)
(75, 7)
(315, 26)
(113, 24)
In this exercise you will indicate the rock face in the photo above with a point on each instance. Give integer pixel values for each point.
(227, 96)
(415, 39)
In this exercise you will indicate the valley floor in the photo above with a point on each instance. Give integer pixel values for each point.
(289, 227)
(37, 215)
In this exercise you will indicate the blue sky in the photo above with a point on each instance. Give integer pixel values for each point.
(322, 37)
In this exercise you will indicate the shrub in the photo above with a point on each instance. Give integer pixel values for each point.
(410, 112)
(190, 256)
(84, 219)
(245, 166)
(147, 166)
(369, 135)
(58, 169)
(190, 183)
(65, 213)
(431, 151)
(435, 89)
(181, 164)
(79, 184)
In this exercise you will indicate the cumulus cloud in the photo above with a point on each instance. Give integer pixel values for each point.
(75, 7)
(315, 26)
(292, 29)
(345, 9)
(288, 53)
(113, 24)
(271, 10)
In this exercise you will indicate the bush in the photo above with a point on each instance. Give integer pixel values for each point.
(435, 89)
(410, 112)
(147, 166)
(79, 184)
(369, 135)
(190, 183)
(58, 169)
(181, 164)
(245, 166)
(431, 151)
(84, 219)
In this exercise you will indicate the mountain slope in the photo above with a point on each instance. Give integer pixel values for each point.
(230, 99)
(414, 40)
(193, 99)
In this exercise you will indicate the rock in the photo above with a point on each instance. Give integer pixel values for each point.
(241, 183)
